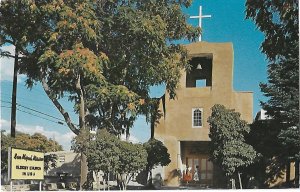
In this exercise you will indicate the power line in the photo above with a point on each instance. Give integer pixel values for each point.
(5, 101)
(33, 110)
(29, 91)
(5, 106)
(58, 122)
(28, 108)
(39, 112)
(27, 100)
(22, 86)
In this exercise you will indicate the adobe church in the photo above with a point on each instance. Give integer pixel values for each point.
(184, 128)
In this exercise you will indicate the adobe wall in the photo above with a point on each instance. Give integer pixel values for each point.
(176, 125)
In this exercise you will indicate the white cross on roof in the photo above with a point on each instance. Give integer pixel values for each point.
(200, 19)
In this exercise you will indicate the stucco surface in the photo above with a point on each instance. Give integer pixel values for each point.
(176, 125)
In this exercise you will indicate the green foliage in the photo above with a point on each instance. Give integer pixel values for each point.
(268, 166)
(290, 138)
(35, 142)
(279, 21)
(263, 137)
(105, 152)
(50, 161)
(132, 160)
(104, 55)
(6, 142)
(157, 154)
(228, 147)
(81, 142)
(18, 24)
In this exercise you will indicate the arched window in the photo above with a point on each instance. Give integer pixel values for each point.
(197, 117)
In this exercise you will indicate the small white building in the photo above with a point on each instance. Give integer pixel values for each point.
(262, 115)
(67, 162)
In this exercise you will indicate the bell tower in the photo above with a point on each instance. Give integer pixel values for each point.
(200, 74)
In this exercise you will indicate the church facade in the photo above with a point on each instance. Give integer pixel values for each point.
(183, 127)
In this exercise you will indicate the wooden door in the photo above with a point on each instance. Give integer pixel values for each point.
(201, 166)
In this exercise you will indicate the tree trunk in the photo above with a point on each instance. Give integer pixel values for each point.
(127, 133)
(120, 181)
(83, 172)
(14, 96)
(152, 129)
(83, 160)
(150, 179)
(232, 182)
(297, 172)
(288, 173)
(149, 176)
(124, 186)
(240, 181)
(82, 126)
(82, 110)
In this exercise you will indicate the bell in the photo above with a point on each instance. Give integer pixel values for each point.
(199, 66)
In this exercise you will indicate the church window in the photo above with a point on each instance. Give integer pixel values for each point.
(197, 117)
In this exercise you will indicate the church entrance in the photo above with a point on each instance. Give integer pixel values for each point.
(201, 169)
(197, 169)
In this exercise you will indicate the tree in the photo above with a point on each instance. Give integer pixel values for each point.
(279, 21)
(154, 114)
(157, 155)
(105, 152)
(35, 142)
(6, 142)
(95, 45)
(228, 148)
(50, 161)
(18, 25)
(263, 136)
(105, 55)
(133, 159)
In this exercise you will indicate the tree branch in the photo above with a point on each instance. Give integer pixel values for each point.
(82, 112)
(59, 107)
(9, 41)
(7, 54)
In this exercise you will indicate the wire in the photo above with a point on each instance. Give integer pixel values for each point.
(33, 110)
(27, 100)
(5, 101)
(21, 86)
(5, 106)
(28, 108)
(39, 112)
(58, 122)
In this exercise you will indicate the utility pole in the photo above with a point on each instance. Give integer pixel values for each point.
(14, 96)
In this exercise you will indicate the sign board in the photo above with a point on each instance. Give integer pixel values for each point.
(26, 164)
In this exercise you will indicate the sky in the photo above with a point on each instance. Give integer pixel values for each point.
(227, 24)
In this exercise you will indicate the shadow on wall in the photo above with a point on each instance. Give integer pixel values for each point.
(157, 180)
(72, 168)
(174, 173)
(142, 178)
